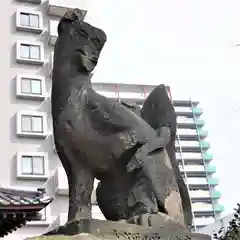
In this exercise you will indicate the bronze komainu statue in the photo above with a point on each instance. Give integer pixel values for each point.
(133, 155)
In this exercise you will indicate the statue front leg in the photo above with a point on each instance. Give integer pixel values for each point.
(80, 191)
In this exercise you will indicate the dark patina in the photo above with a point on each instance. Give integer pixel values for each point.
(130, 150)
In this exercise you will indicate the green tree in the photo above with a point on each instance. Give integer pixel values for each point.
(233, 230)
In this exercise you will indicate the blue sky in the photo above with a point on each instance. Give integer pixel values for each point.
(188, 45)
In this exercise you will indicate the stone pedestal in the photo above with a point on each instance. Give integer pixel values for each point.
(100, 229)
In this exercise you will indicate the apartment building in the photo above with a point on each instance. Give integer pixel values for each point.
(221, 223)
(29, 32)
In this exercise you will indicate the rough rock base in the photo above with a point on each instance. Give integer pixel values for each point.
(100, 229)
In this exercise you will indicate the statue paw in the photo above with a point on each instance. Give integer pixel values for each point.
(138, 161)
(133, 164)
(142, 219)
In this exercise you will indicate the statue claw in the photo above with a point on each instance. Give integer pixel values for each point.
(138, 160)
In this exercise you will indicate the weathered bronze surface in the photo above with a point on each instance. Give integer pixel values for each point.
(131, 151)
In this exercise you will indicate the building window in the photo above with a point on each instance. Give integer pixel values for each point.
(32, 165)
(32, 124)
(29, 20)
(30, 52)
(32, 87)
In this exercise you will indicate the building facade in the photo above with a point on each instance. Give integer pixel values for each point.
(221, 223)
(29, 32)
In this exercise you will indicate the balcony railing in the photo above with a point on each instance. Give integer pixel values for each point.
(199, 207)
(203, 221)
(193, 157)
(211, 169)
(59, 7)
(202, 133)
(218, 208)
(204, 145)
(187, 102)
(213, 181)
(216, 195)
(204, 209)
(182, 111)
(187, 133)
(192, 168)
(188, 111)
(185, 120)
(125, 96)
(207, 156)
(108, 94)
(189, 122)
(193, 145)
(197, 111)
(199, 194)
(188, 156)
(204, 194)
(197, 181)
